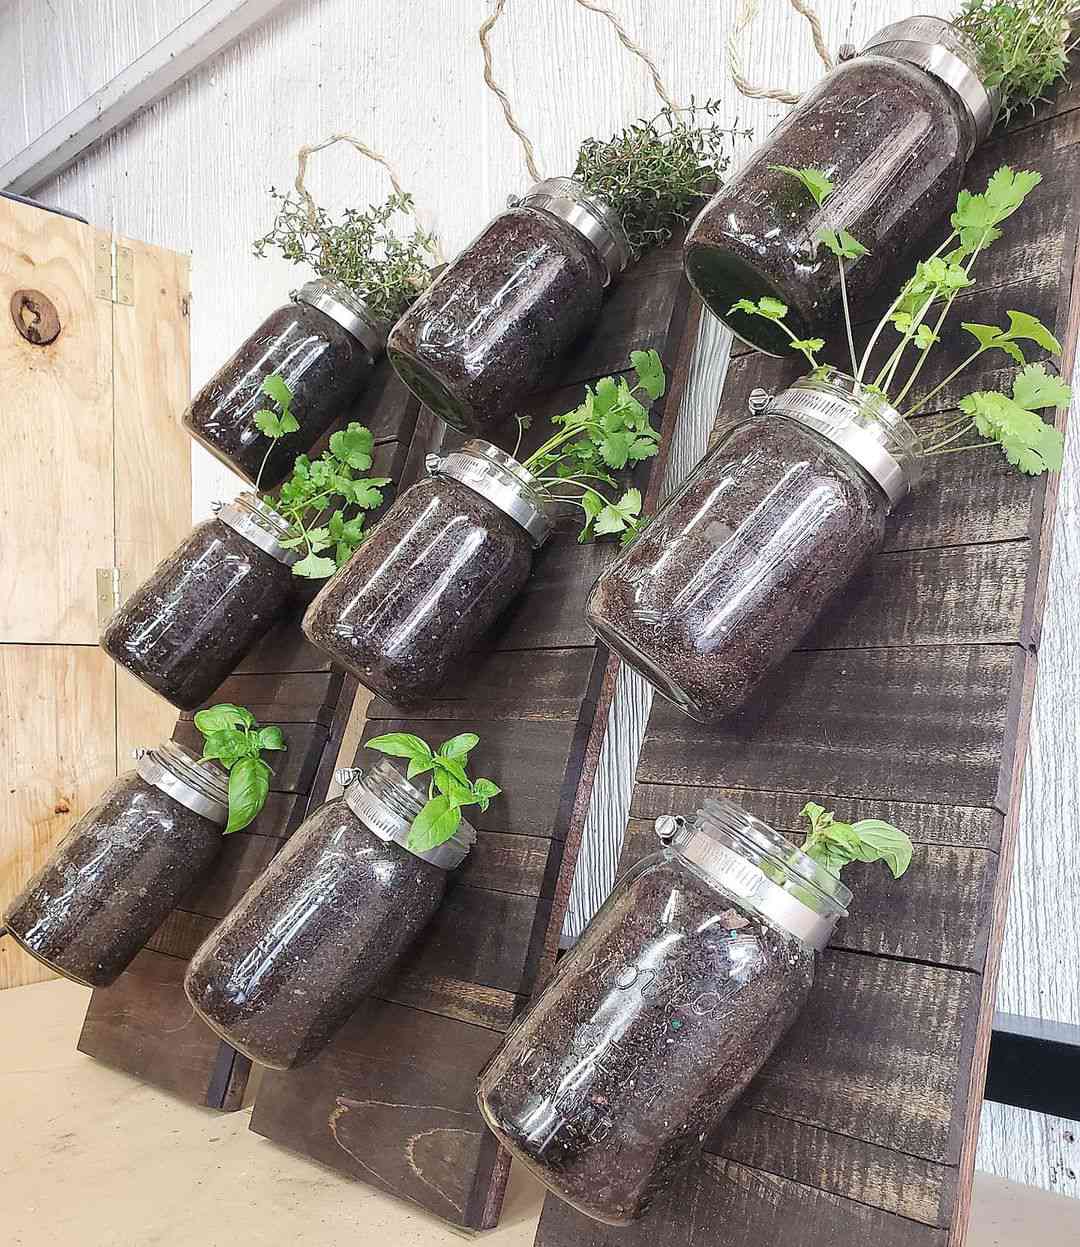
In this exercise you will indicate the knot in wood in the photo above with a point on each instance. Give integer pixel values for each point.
(35, 317)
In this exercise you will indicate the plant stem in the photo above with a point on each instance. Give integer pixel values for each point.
(957, 450)
(258, 478)
(935, 448)
(942, 384)
(847, 316)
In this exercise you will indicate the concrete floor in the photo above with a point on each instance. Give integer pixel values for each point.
(93, 1158)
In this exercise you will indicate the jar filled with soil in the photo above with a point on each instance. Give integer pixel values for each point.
(437, 570)
(893, 129)
(324, 923)
(123, 867)
(323, 344)
(671, 1001)
(486, 332)
(188, 626)
(739, 564)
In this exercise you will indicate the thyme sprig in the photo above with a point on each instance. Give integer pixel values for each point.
(360, 251)
(653, 173)
(918, 312)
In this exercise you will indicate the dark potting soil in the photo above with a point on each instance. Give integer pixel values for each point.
(435, 573)
(324, 366)
(650, 1030)
(188, 626)
(484, 334)
(736, 568)
(894, 141)
(112, 881)
(317, 930)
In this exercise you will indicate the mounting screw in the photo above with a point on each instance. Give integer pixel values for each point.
(668, 826)
(512, 201)
(216, 507)
(847, 52)
(138, 753)
(758, 401)
(432, 463)
(346, 775)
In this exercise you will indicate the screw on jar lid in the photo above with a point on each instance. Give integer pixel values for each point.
(351, 312)
(861, 422)
(256, 521)
(934, 45)
(202, 788)
(386, 803)
(568, 200)
(499, 478)
(757, 866)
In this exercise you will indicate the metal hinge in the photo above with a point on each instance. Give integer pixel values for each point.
(114, 271)
(108, 594)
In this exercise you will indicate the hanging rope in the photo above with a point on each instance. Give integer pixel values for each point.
(309, 149)
(523, 138)
(747, 13)
(635, 49)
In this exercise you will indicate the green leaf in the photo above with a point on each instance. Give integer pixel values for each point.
(1035, 389)
(834, 844)
(271, 738)
(435, 824)
(643, 448)
(459, 746)
(1026, 440)
(924, 338)
(401, 745)
(451, 787)
(615, 449)
(819, 186)
(353, 445)
(268, 423)
(989, 336)
(223, 715)
(314, 567)
(772, 309)
(880, 841)
(650, 372)
(289, 423)
(842, 244)
(484, 790)
(807, 344)
(1027, 328)
(227, 745)
(629, 505)
(249, 784)
(276, 388)
(592, 504)
(610, 520)
(368, 494)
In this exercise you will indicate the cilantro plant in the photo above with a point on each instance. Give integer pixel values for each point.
(1023, 46)
(449, 788)
(233, 738)
(361, 250)
(653, 173)
(1009, 421)
(834, 844)
(608, 431)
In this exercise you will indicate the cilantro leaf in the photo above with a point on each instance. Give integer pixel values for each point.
(314, 567)
(1025, 327)
(276, 388)
(842, 244)
(353, 445)
(650, 372)
(1034, 389)
(819, 186)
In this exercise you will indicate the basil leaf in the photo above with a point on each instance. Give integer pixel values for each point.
(435, 823)
(227, 746)
(459, 746)
(880, 841)
(450, 786)
(400, 745)
(222, 716)
(271, 738)
(249, 785)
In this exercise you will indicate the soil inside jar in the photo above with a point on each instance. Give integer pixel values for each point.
(484, 335)
(323, 365)
(731, 575)
(651, 1029)
(112, 881)
(188, 626)
(434, 575)
(317, 931)
(895, 143)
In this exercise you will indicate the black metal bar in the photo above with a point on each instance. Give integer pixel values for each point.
(1035, 1065)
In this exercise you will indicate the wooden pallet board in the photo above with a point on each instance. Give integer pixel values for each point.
(143, 1023)
(910, 701)
(392, 1100)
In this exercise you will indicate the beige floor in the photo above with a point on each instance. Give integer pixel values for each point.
(92, 1158)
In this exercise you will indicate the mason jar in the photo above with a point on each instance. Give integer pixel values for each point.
(188, 626)
(670, 1002)
(324, 923)
(893, 129)
(485, 333)
(775, 520)
(434, 574)
(323, 344)
(124, 866)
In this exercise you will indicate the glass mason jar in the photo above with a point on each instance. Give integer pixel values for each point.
(123, 867)
(737, 566)
(893, 128)
(188, 626)
(484, 334)
(324, 923)
(437, 570)
(671, 1001)
(324, 345)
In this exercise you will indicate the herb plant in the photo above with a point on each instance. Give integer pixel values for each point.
(608, 431)
(653, 173)
(1009, 421)
(449, 788)
(323, 500)
(833, 844)
(360, 251)
(233, 738)
(1023, 46)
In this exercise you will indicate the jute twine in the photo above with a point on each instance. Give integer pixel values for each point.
(747, 12)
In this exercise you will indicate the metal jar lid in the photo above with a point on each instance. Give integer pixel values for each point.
(389, 824)
(351, 312)
(499, 478)
(934, 45)
(766, 872)
(835, 416)
(568, 200)
(256, 521)
(202, 788)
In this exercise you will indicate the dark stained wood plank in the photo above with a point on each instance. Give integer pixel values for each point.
(512, 863)
(282, 697)
(285, 649)
(453, 998)
(293, 769)
(244, 856)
